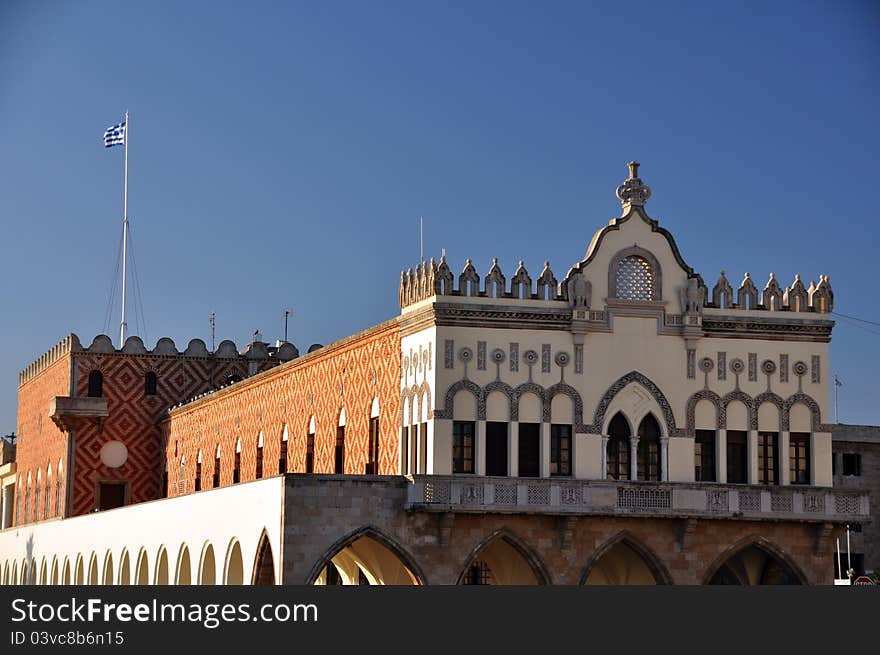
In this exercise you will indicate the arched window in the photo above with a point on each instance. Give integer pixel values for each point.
(282, 457)
(58, 489)
(198, 482)
(339, 451)
(260, 455)
(618, 449)
(96, 384)
(635, 279)
(216, 479)
(648, 462)
(149, 383)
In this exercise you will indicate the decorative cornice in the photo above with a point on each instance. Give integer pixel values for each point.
(775, 329)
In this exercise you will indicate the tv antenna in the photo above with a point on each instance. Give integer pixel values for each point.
(287, 313)
(213, 319)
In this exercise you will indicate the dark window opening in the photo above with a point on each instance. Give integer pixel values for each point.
(198, 483)
(737, 457)
(339, 453)
(560, 450)
(310, 453)
(413, 449)
(372, 467)
(852, 464)
(648, 453)
(529, 450)
(150, 384)
(478, 574)
(423, 448)
(216, 479)
(282, 459)
(618, 449)
(111, 495)
(704, 456)
(462, 446)
(165, 484)
(496, 448)
(799, 458)
(236, 470)
(768, 458)
(96, 384)
(259, 462)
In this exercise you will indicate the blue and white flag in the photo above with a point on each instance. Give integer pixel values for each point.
(115, 135)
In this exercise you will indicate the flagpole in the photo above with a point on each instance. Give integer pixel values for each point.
(124, 236)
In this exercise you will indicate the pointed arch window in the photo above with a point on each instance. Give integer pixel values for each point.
(282, 458)
(149, 383)
(618, 448)
(648, 459)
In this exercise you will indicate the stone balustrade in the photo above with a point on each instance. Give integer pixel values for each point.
(435, 493)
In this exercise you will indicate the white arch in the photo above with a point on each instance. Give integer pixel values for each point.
(160, 576)
(207, 565)
(183, 570)
(233, 568)
(374, 408)
(342, 417)
(312, 426)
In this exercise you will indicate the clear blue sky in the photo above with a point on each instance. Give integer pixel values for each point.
(282, 153)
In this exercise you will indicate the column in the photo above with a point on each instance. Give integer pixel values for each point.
(429, 446)
(784, 459)
(752, 449)
(545, 450)
(604, 473)
(633, 457)
(513, 449)
(664, 459)
(480, 450)
(721, 455)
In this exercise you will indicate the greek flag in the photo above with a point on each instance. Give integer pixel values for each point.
(115, 135)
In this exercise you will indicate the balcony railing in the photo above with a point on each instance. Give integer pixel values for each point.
(439, 493)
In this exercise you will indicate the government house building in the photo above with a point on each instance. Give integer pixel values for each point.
(622, 422)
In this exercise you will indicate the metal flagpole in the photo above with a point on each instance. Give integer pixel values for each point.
(124, 236)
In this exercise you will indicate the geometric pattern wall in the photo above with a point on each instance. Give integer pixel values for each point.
(41, 444)
(348, 374)
(134, 418)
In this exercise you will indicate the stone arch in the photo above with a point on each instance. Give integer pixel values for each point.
(233, 566)
(54, 580)
(142, 571)
(761, 543)
(631, 425)
(648, 557)
(656, 271)
(533, 388)
(93, 569)
(650, 387)
(207, 565)
(527, 553)
(424, 392)
(183, 569)
(448, 410)
(263, 572)
(405, 404)
(65, 577)
(561, 388)
(742, 397)
(811, 405)
(44, 572)
(497, 386)
(369, 532)
(691, 409)
(107, 578)
(125, 568)
(773, 399)
(160, 576)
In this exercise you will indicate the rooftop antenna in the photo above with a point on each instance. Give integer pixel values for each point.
(213, 319)
(837, 385)
(287, 313)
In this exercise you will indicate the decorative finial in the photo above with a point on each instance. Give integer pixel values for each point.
(633, 191)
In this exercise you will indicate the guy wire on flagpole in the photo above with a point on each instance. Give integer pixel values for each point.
(124, 234)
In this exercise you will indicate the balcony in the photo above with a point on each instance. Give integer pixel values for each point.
(433, 493)
(69, 412)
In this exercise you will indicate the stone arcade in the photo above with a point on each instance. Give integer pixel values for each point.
(622, 425)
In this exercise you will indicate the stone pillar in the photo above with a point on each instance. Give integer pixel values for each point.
(545, 450)
(513, 449)
(429, 447)
(480, 449)
(664, 459)
(721, 455)
(752, 453)
(633, 457)
(604, 473)
(783, 459)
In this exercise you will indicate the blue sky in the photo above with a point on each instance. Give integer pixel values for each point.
(281, 154)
